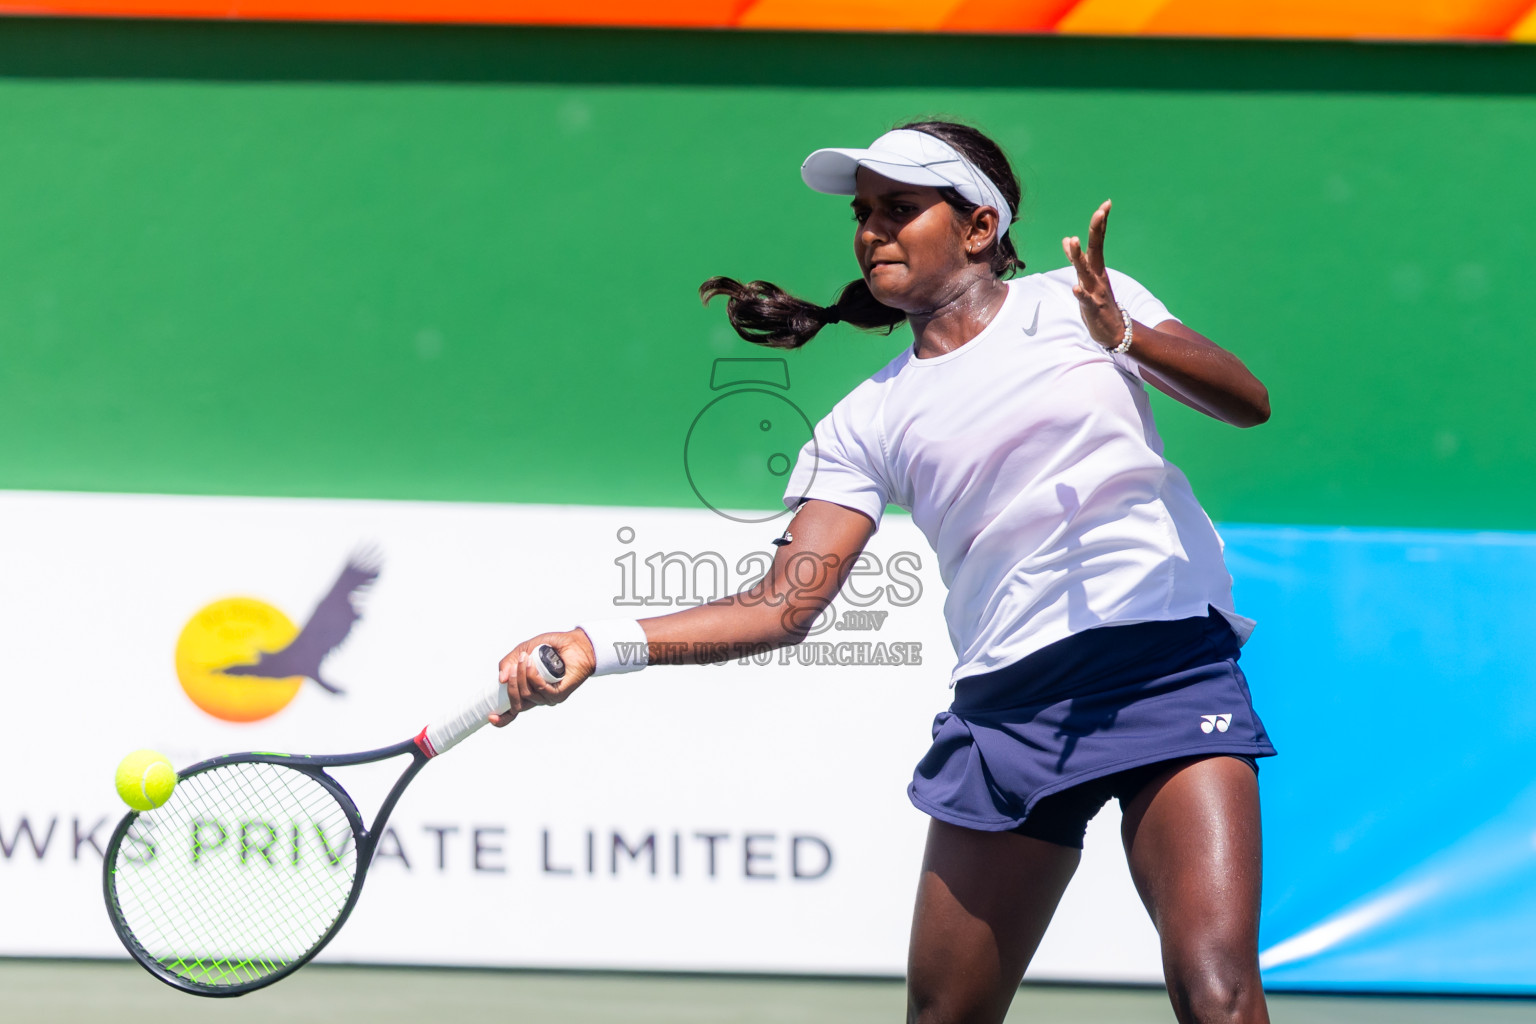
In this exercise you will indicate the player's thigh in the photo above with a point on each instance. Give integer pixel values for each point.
(983, 903)
(1193, 842)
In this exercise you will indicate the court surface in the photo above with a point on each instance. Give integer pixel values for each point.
(74, 991)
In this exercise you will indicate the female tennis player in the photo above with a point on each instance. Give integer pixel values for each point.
(1090, 609)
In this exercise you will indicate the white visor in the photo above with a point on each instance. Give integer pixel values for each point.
(911, 157)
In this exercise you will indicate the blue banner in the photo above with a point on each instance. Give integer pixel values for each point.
(1396, 672)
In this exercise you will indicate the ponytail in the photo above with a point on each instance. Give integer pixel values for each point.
(766, 314)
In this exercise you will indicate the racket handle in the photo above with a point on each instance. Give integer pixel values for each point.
(452, 730)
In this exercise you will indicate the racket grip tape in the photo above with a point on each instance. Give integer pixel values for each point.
(448, 732)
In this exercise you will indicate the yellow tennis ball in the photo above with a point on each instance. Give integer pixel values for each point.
(145, 780)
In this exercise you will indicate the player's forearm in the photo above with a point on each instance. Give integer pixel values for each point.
(1200, 373)
(812, 561)
(731, 628)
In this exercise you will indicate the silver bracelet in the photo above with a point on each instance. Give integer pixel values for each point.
(1125, 342)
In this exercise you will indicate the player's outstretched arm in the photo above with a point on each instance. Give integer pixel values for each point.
(807, 572)
(1181, 363)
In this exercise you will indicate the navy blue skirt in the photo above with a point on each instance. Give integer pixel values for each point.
(1099, 702)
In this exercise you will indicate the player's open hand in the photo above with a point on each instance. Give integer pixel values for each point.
(1097, 301)
(526, 688)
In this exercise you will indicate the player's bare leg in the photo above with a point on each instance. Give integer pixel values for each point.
(983, 903)
(1192, 839)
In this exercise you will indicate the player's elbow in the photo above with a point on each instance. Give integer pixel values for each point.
(1252, 408)
(1258, 408)
(797, 622)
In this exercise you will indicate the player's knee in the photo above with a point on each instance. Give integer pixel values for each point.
(934, 1006)
(924, 1005)
(1213, 990)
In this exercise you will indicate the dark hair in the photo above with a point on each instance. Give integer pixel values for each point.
(766, 314)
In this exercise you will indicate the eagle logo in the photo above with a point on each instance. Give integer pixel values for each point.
(242, 659)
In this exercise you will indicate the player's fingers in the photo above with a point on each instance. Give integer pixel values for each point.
(508, 665)
(1098, 226)
(1074, 250)
(503, 719)
(1083, 264)
(515, 703)
(576, 652)
(543, 692)
(518, 689)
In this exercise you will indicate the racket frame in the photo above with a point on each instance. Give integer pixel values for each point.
(433, 741)
(366, 841)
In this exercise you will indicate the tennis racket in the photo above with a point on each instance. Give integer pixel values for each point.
(256, 860)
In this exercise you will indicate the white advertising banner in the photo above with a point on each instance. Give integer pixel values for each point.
(741, 817)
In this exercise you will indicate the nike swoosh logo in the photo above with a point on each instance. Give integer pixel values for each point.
(1029, 332)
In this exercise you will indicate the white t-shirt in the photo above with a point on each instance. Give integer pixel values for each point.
(1029, 460)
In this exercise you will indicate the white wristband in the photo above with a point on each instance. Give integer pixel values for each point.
(619, 644)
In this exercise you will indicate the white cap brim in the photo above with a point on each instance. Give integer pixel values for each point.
(835, 171)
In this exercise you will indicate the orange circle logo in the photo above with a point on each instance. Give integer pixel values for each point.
(226, 633)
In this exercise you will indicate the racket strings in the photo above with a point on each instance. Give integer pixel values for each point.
(237, 907)
(218, 899)
(241, 873)
(219, 908)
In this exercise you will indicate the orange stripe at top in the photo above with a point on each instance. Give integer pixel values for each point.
(1465, 19)
(659, 13)
(1109, 17)
(1394, 19)
(1525, 29)
(854, 15)
(1007, 15)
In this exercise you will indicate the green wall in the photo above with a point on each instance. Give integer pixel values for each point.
(460, 264)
